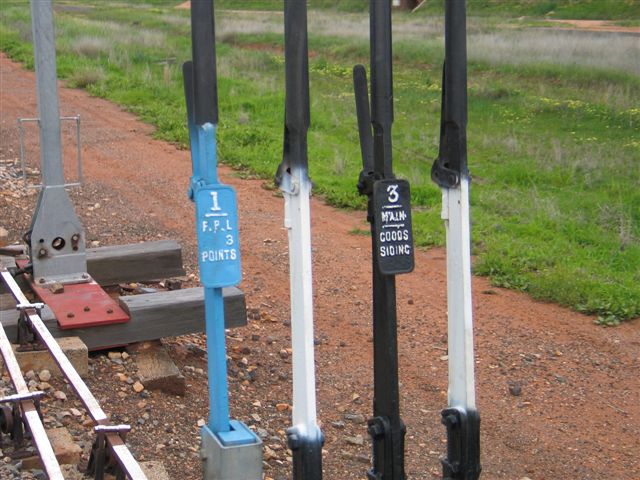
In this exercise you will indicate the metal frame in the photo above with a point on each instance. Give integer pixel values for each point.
(115, 443)
(23, 155)
(304, 437)
(450, 172)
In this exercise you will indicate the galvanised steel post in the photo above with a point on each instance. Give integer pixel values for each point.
(389, 213)
(230, 450)
(450, 172)
(56, 237)
(304, 437)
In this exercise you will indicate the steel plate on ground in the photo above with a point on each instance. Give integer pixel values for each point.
(81, 305)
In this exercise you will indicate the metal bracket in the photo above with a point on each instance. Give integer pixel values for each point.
(388, 449)
(69, 279)
(443, 176)
(366, 181)
(25, 334)
(37, 306)
(307, 453)
(100, 461)
(286, 182)
(463, 444)
(11, 421)
(19, 397)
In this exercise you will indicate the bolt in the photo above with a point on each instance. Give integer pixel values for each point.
(85, 275)
(294, 441)
(70, 315)
(42, 280)
(110, 310)
(42, 252)
(451, 420)
(375, 430)
(87, 309)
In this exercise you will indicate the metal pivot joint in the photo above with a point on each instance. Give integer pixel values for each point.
(305, 439)
(450, 172)
(307, 454)
(229, 450)
(389, 213)
(463, 444)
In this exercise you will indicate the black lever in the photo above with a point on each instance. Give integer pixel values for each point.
(205, 84)
(385, 195)
(297, 115)
(363, 112)
(451, 163)
(450, 172)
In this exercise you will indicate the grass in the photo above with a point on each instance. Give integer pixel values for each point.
(552, 133)
(564, 9)
(567, 9)
(565, 48)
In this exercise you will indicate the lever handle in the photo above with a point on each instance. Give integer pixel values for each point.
(187, 77)
(203, 48)
(296, 108)
(297, 116)
(363, 113)
(451, 164)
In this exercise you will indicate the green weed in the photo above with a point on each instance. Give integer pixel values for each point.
(553, 146)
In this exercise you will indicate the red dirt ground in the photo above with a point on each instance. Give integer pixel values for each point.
(593, 25)
(578, 414)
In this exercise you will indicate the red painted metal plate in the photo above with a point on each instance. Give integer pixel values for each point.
(81, 305)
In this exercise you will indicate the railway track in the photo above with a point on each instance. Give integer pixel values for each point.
(20, 416)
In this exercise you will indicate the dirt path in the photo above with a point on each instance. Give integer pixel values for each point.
(593, 26)
(577, 416)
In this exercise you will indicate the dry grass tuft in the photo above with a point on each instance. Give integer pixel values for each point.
(594, 50)
(90, 46)
(87, 76)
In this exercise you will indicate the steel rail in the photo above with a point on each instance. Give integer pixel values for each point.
(121, 452)
(38, 433)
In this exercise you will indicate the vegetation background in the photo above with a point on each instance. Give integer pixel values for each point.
(553, 126)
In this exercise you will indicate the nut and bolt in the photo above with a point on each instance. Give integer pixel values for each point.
(110, 310)
(70, 315)
(87, 309)
(375, 430)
